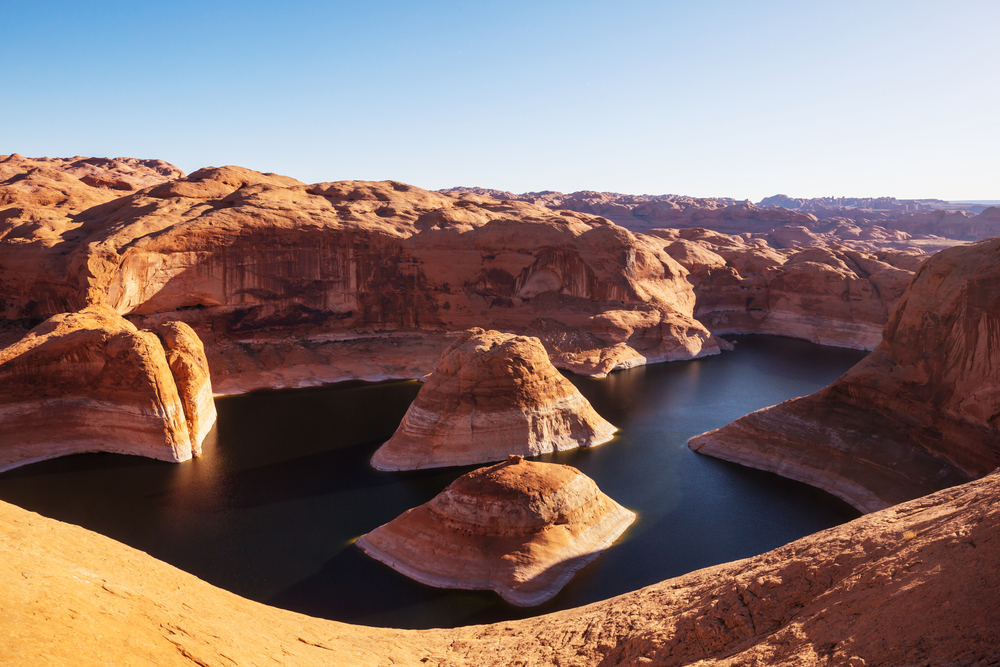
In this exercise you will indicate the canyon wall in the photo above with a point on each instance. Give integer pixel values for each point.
(921, 413)
(828, 294)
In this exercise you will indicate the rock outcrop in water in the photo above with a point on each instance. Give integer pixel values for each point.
(90, 381)
(911, 585)
(492, 394)
(520, 528)
(921, 413)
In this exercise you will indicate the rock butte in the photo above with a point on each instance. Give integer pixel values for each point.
(492, 394)
(520, 528)
(90, 381)
(920, 413)
(914, 584)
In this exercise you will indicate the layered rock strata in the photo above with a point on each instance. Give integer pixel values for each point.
(91, 381)
(912, 584)
(492, 394)
(520, 528)
(920, 413)
(243, 256)
(830, 295)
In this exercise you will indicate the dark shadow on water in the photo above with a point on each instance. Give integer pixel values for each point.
(271, 509)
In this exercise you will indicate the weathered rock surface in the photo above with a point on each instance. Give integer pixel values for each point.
(520, 528)
(90, 381)
(830, 295)
(492, 394)
(921, 413)
(47, 206)
(914, 584)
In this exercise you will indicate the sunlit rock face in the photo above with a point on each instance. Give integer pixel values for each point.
(920, 413)
(248, 259)
(91, 381)
(830, 295)
(520, 528)
(492, 394)
(47, 207)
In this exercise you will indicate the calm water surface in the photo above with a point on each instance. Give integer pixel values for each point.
(271, 509)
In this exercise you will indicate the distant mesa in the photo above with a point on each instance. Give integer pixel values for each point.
(492, 394)
(520, 528)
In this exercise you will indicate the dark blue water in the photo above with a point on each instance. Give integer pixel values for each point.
(271, 509)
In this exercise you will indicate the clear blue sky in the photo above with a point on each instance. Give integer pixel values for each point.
(707, 98)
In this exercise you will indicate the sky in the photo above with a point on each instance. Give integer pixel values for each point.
(704, 98)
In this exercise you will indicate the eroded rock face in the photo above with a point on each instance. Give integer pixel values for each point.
(922, 412)
(830, 295)
(91, 381)
(492, 394)
(520, 528)
(913, 584)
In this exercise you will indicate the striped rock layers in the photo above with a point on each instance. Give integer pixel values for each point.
(91, 381)
(492, 394)
(920, 413)
(520, 528)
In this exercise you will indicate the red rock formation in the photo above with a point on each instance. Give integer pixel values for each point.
(90, 381)
(922, 412)
(244, 256)
(520, 528)
(828, 295)
(492, 394)
(911, 585)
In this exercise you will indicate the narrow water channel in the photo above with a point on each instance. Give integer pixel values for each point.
(271, 509)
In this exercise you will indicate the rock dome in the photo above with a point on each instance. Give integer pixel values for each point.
(492, 394)
(520, 528)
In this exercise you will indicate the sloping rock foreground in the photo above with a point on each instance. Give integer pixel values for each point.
(912, 584)
(492, 394)
(920, 413)
(520, 528)
(90, 381)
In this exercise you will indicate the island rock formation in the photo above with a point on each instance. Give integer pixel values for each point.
(520, 528)
(914, 584)
(91, 381)
(492, 394)
(920, 413)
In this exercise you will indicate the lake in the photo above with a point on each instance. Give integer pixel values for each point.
(272, 507)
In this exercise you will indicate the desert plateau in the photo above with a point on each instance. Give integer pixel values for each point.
(139, 305)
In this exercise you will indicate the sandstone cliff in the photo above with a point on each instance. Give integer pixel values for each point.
(922, 412)
(520, 528)
(90, 381)
(249, 258)
(912, 584)
(827, 294)
(492, 394)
